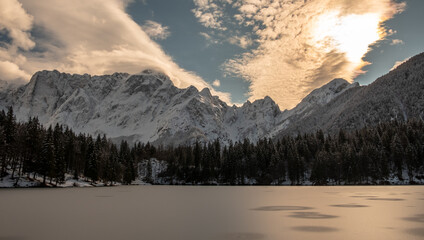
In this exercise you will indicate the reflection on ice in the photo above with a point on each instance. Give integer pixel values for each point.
(386, 199)
(316, 229)
(242, 236)
(416, 231)
(416, 218)
(365, 196)
(352, 205)
(281, 208)
(311, 215)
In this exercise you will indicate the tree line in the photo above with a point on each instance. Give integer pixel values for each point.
(32, 150)
(369, 155)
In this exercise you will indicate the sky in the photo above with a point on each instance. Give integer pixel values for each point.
(240, 49)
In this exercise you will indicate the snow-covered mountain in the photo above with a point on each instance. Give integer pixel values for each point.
(317, 98)
(147, 107)
(398, 95)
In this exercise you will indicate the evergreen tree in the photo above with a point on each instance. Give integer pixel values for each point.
(91, 168)
(46, 166)
(397, 155)
(129, 166)
(2, 153)
(32, 146)
(148, 177)
(9, 130)
(59, 150)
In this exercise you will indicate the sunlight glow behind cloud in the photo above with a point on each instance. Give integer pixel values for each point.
(351, 34)
(303, 45)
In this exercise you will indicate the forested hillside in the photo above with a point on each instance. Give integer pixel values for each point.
(28, 149)
(374, 155)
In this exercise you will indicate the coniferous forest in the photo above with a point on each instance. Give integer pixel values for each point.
(367, 156)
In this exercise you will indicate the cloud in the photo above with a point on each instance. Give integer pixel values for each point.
(216, 83)
(17, 23)
(397, 42)
(11, 72)
(209, 14)
(305, 44)
(205, 35)
(155, 30)
(243, 42)
(79, 36)
(398, 63)
(209, 39)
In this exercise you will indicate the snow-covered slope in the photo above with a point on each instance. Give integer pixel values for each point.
(7, 90)
(147, 107)
(398, 95)
(321, 96)
(313, 101)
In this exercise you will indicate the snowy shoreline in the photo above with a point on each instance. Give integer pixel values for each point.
(158, 166)
(25, 182)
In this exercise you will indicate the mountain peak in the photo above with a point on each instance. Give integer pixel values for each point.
(264, 101)
(321, 96)
(45, 75)
(336, 85)
(337, 81)
(206, 92)
(148, 107)
(328, 91)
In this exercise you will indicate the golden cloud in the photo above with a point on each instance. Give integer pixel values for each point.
(305, 44)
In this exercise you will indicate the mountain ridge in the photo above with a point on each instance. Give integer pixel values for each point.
(143, 107)
(147, 107)
(397, 95)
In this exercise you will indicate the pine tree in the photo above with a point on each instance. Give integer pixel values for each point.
(397, 155)
(115, 167)
(91, 168)
(319, 174)
(69, 150)
(149, 177)
(2, 152)
(9, 129)
(60, 164)
(46, 166)
(197, 160)
(32, 146)
(129, 166)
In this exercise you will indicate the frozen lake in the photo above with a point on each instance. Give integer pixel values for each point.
(202, 213)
